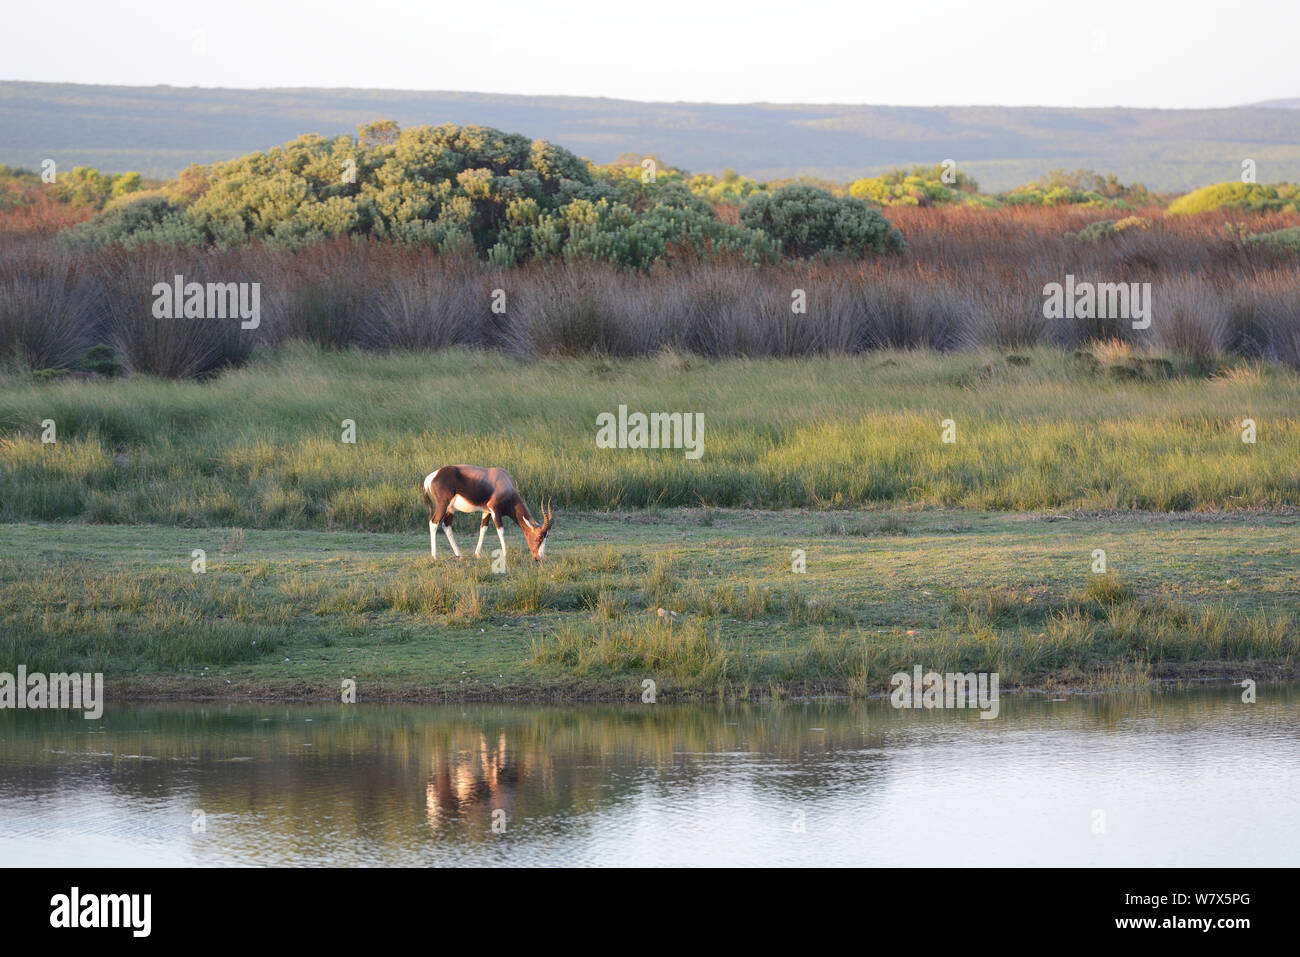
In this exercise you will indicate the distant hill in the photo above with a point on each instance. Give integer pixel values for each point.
(160, 130)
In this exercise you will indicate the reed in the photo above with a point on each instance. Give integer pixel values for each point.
(970, 279)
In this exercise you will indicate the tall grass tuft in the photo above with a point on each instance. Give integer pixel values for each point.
(970, 279)
(51, 309)
(685, 651)
(175, 348)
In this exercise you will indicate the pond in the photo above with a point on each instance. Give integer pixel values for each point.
(1176, 778)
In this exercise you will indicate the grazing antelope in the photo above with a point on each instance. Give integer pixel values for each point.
(470, 488)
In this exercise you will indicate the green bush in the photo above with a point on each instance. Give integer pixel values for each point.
(83, 186)
(1284, 240)
(102, 359)
(439, 185)
(149, 219)
(923, 186)
(1082, 187)
(1105, 228)
(457, 188)
(807, 221)
(1255, 197)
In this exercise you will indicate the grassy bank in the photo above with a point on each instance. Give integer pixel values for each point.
(262, 447)
(292, 613)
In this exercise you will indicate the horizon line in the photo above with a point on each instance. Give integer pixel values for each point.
(1266, 104)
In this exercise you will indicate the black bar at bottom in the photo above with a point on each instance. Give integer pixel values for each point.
(956, 907)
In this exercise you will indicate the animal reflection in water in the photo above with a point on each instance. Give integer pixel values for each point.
(470, 783)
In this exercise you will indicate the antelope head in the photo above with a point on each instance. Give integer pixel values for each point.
(535, 535)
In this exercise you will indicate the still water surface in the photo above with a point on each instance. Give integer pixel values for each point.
(1170, 779)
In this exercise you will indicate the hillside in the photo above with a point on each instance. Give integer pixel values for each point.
(160, 130)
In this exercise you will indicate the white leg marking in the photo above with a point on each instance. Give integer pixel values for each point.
(433, 539)
(501, 534)
(482, 530)
(452, 539)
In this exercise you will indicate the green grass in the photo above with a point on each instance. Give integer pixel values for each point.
(317, 549)
(261, 447)
(295, 612)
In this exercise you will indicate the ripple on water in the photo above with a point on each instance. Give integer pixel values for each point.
(1171, 779)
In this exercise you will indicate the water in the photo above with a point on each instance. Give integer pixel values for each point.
(1167, 779)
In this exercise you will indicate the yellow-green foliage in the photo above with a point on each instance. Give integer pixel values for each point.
(79, 186)
(937, 185)
(923, 186)
(1243, 196)
(458, 188)
(1109, 227)
(638, 169)
(1132, 222)
(732, 188)
(1082, 187)
(83, 186)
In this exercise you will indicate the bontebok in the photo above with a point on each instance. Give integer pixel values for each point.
(471, 488)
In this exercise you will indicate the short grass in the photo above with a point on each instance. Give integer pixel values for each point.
(295, 613)
(262, 447)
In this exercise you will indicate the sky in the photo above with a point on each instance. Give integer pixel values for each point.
(1140, 53)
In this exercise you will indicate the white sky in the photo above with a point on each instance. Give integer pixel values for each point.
(1153, 53)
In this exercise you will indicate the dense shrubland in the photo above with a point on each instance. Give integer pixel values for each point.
(458, 189)
(397, 239)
